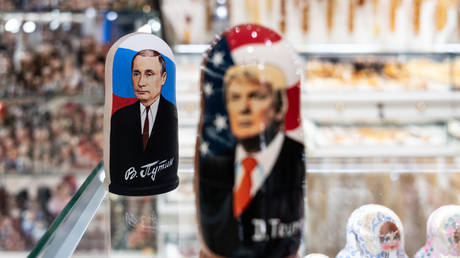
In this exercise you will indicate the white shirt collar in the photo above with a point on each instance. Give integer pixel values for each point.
(151, 116)
(266, 159)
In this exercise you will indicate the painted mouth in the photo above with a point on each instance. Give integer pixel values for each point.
(245, 123)
(391, 247)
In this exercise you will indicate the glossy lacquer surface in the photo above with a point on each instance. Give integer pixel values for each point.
(250, 159)
(374, 231)
(443, 233)
(140, 119)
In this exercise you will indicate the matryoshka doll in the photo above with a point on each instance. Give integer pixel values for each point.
(250, 159)
(374, 231)
(140, 118)
(442, 233)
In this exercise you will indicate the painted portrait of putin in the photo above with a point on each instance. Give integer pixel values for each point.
(144, 134)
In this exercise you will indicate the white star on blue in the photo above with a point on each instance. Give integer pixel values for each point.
(218, 58)
(207, 89)
(220, 122)
(204, 148)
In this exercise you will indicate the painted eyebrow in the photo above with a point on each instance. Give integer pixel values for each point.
(234, 93)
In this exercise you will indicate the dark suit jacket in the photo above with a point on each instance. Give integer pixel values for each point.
(280, 197)
(126, 151)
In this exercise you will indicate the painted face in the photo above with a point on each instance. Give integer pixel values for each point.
(457, 235)
(147, 78)
(457, 238)
(389, 236)
(250, 108)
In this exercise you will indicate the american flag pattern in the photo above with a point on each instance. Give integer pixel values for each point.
(244, 44)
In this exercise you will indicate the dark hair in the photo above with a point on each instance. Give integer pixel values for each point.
(457, 235)
(388, 227)
(150, 52)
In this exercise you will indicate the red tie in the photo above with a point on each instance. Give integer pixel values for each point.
(242, 195)
(145, 130)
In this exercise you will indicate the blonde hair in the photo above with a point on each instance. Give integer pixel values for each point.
(257, 73)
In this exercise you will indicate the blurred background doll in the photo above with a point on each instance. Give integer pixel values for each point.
(374, 231)
(442, 233)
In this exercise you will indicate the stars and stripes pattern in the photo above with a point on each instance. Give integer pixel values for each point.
(244, 44)
(216, 136)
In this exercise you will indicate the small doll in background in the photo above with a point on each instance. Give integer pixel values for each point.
(374, 231)
(443, 233)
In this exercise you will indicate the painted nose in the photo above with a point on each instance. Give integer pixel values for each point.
(246, 106)
(142, 81)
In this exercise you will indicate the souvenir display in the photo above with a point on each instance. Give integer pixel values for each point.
(374, 231)
(75, 5)
(387, 24)
(250, 158)
(140, 122)
(28, 208)
(337, 186)
(378, 74)
(442, 233)
(402, 136)
(51, 68)
(59, 137)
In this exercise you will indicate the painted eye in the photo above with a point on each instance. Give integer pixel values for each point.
(386, 239)
(235, 97)
(257, 95)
